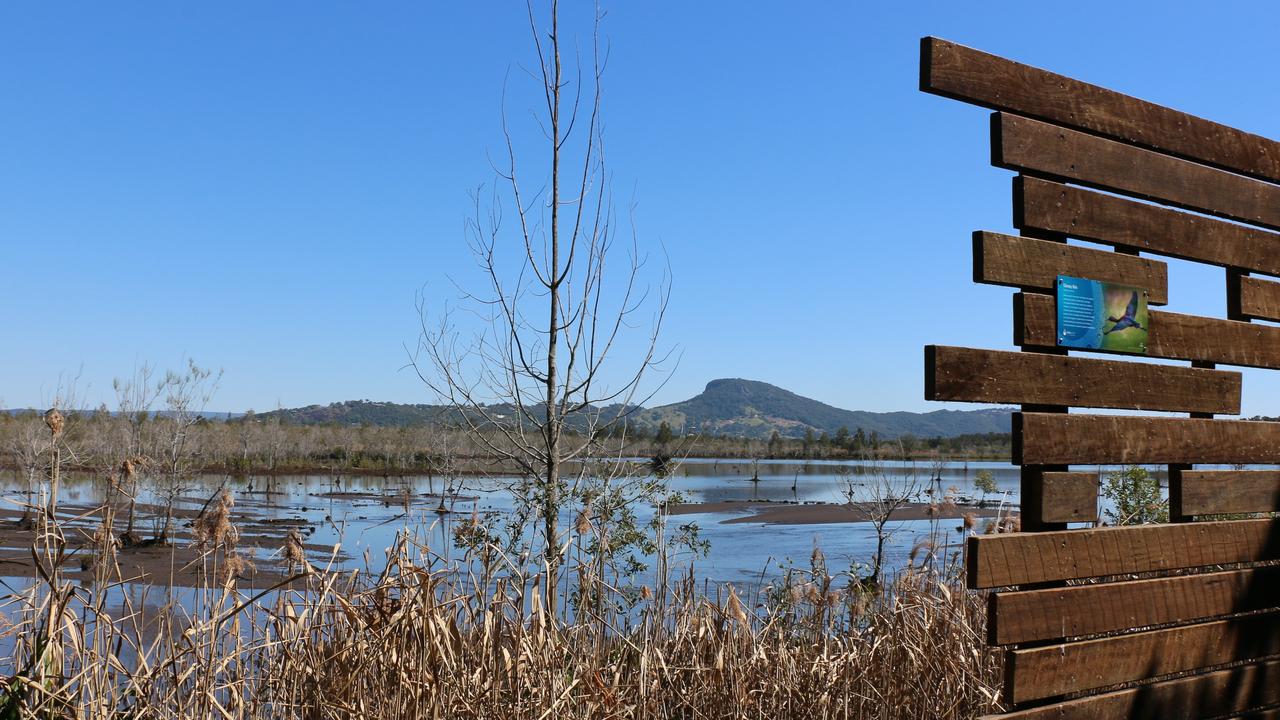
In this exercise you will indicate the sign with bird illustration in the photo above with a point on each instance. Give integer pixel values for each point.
(1099, 315)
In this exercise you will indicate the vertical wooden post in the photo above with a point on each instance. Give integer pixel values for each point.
(1031, 486)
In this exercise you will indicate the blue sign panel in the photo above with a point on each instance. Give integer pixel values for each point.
(1098, 315)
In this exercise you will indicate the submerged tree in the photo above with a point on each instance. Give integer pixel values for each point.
(534, 383)
(878, 494)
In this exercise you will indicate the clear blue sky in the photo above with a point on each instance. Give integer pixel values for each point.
(265, 186)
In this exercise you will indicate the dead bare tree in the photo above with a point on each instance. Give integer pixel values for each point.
(29, 444)
(186, 394)
(135, 397)
(878, 493)
(534, 383)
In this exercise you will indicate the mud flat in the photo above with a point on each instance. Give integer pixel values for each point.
(784, 513)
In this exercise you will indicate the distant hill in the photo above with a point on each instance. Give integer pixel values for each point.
(749, 408)
(732, 407)
(363, 412)
(206, 414)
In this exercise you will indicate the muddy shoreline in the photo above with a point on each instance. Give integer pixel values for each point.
(481, 466)
(262, 525)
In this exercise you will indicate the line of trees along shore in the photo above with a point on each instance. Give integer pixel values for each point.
(251, 444)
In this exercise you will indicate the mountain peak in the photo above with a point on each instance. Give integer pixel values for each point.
(742, 385)
(752, 408)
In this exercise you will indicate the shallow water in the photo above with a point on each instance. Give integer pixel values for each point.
(362, 515)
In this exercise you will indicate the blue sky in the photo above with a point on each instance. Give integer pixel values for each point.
(265, 187)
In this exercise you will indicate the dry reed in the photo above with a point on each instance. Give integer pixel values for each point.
(426, 639)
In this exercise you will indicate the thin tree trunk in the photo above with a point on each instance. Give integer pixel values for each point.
(551, 509)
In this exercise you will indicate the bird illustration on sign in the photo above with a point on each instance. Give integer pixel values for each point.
(1128, 319)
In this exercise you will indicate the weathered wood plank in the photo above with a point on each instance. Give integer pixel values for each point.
(1190, 698)
(1031, 264)
(1059, 669)
(1172, 335)
(995, 376)
(962, 73)
(1218, 492)
(1069, 497)
(1041, 205)
(1255, 297)
(1061, 439)
(1036, 147)
(1004, 560)
(1031, 495)
(1056, 613)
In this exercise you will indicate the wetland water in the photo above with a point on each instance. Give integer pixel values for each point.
(756, 516)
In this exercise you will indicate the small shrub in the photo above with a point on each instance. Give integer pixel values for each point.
(1137, 497)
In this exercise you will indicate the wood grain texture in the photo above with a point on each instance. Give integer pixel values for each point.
(1061, 439)
(1036, 147)
(1045, 206)
(1255, 297)
(962, 73)
(1210, 694)
(1217, 492)
(1172, 335)
(1031, 264)
(1004, 560)
(1069, 497)
(1056, 613)
(995, 376)
(1032, 499)
(1055, 670)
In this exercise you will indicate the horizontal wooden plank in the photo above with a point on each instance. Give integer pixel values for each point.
(1172, 335)
(1210, 694)
(1271, 713)
(1062, 439)
(1059, 669)
(1036, 147)
(1042, 205)
(1004, 560)
(1218, 492)
(962, 73)
(996, 376)
(1055, 613)
(1031, 264)
(1069, 497)
(1255, 297)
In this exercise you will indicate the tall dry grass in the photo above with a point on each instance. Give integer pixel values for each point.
(432, 634)
(426, 638)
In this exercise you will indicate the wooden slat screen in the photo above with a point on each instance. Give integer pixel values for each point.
(1170, 620)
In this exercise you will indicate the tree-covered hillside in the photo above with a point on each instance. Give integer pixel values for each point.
(730, 407)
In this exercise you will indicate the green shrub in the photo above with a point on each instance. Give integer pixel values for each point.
(1137, 498)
